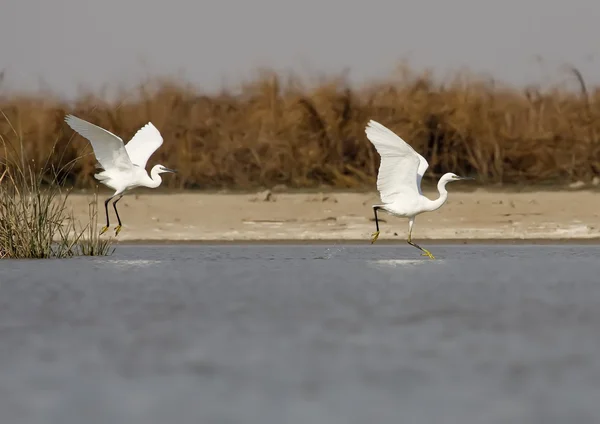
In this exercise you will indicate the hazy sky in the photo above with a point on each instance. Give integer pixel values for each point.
(64, 44)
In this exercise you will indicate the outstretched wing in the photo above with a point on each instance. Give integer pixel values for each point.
(401, 168)
(423, 165)
(143, 144)
(108, 148)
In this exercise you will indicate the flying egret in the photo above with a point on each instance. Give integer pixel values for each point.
(399, 180)
(124, 166)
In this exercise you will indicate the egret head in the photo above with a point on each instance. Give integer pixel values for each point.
(450, 176)
(161, 169)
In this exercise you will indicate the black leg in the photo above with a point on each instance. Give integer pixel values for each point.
(425, 251)
(375, 235)
(106, 211)
(415, 245)
(375, 209)
(116, 211)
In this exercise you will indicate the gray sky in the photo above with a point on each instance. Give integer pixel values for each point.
(66, 44)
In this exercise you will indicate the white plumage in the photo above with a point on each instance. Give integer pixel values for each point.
(399, 162)
(146, 141)
(399, 179)
(123, 165)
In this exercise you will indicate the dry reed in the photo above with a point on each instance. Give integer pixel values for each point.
(35, 221)
(277, 131)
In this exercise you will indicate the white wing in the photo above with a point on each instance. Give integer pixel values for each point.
(108, 148)
(401, 168)
(143, 144)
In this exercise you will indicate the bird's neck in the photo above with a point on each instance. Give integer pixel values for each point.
(433, 205)
(154, 179)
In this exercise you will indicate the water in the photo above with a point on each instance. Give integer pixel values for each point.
(303, 334)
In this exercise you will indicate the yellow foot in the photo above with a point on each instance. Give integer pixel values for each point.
(103, 230)
(427, 253)
(117, 230)
(374, 236)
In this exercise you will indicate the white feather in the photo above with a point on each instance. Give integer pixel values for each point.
(108, 148)
(401, 168)
(143, 144)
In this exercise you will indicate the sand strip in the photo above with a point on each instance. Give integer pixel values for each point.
(467, 216)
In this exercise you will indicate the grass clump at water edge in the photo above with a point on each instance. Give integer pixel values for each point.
(35, 221)
(90, 243)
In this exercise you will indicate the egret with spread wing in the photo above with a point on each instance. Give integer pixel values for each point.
(399, 180)
(124, 166)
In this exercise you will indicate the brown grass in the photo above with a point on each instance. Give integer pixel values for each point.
(277, 131)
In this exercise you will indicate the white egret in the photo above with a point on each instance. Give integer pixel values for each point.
(399, 180)
(124, 166)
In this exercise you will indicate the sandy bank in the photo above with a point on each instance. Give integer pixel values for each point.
(348, 216)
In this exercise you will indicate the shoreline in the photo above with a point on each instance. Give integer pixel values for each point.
(477, 216)
(349, 242)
